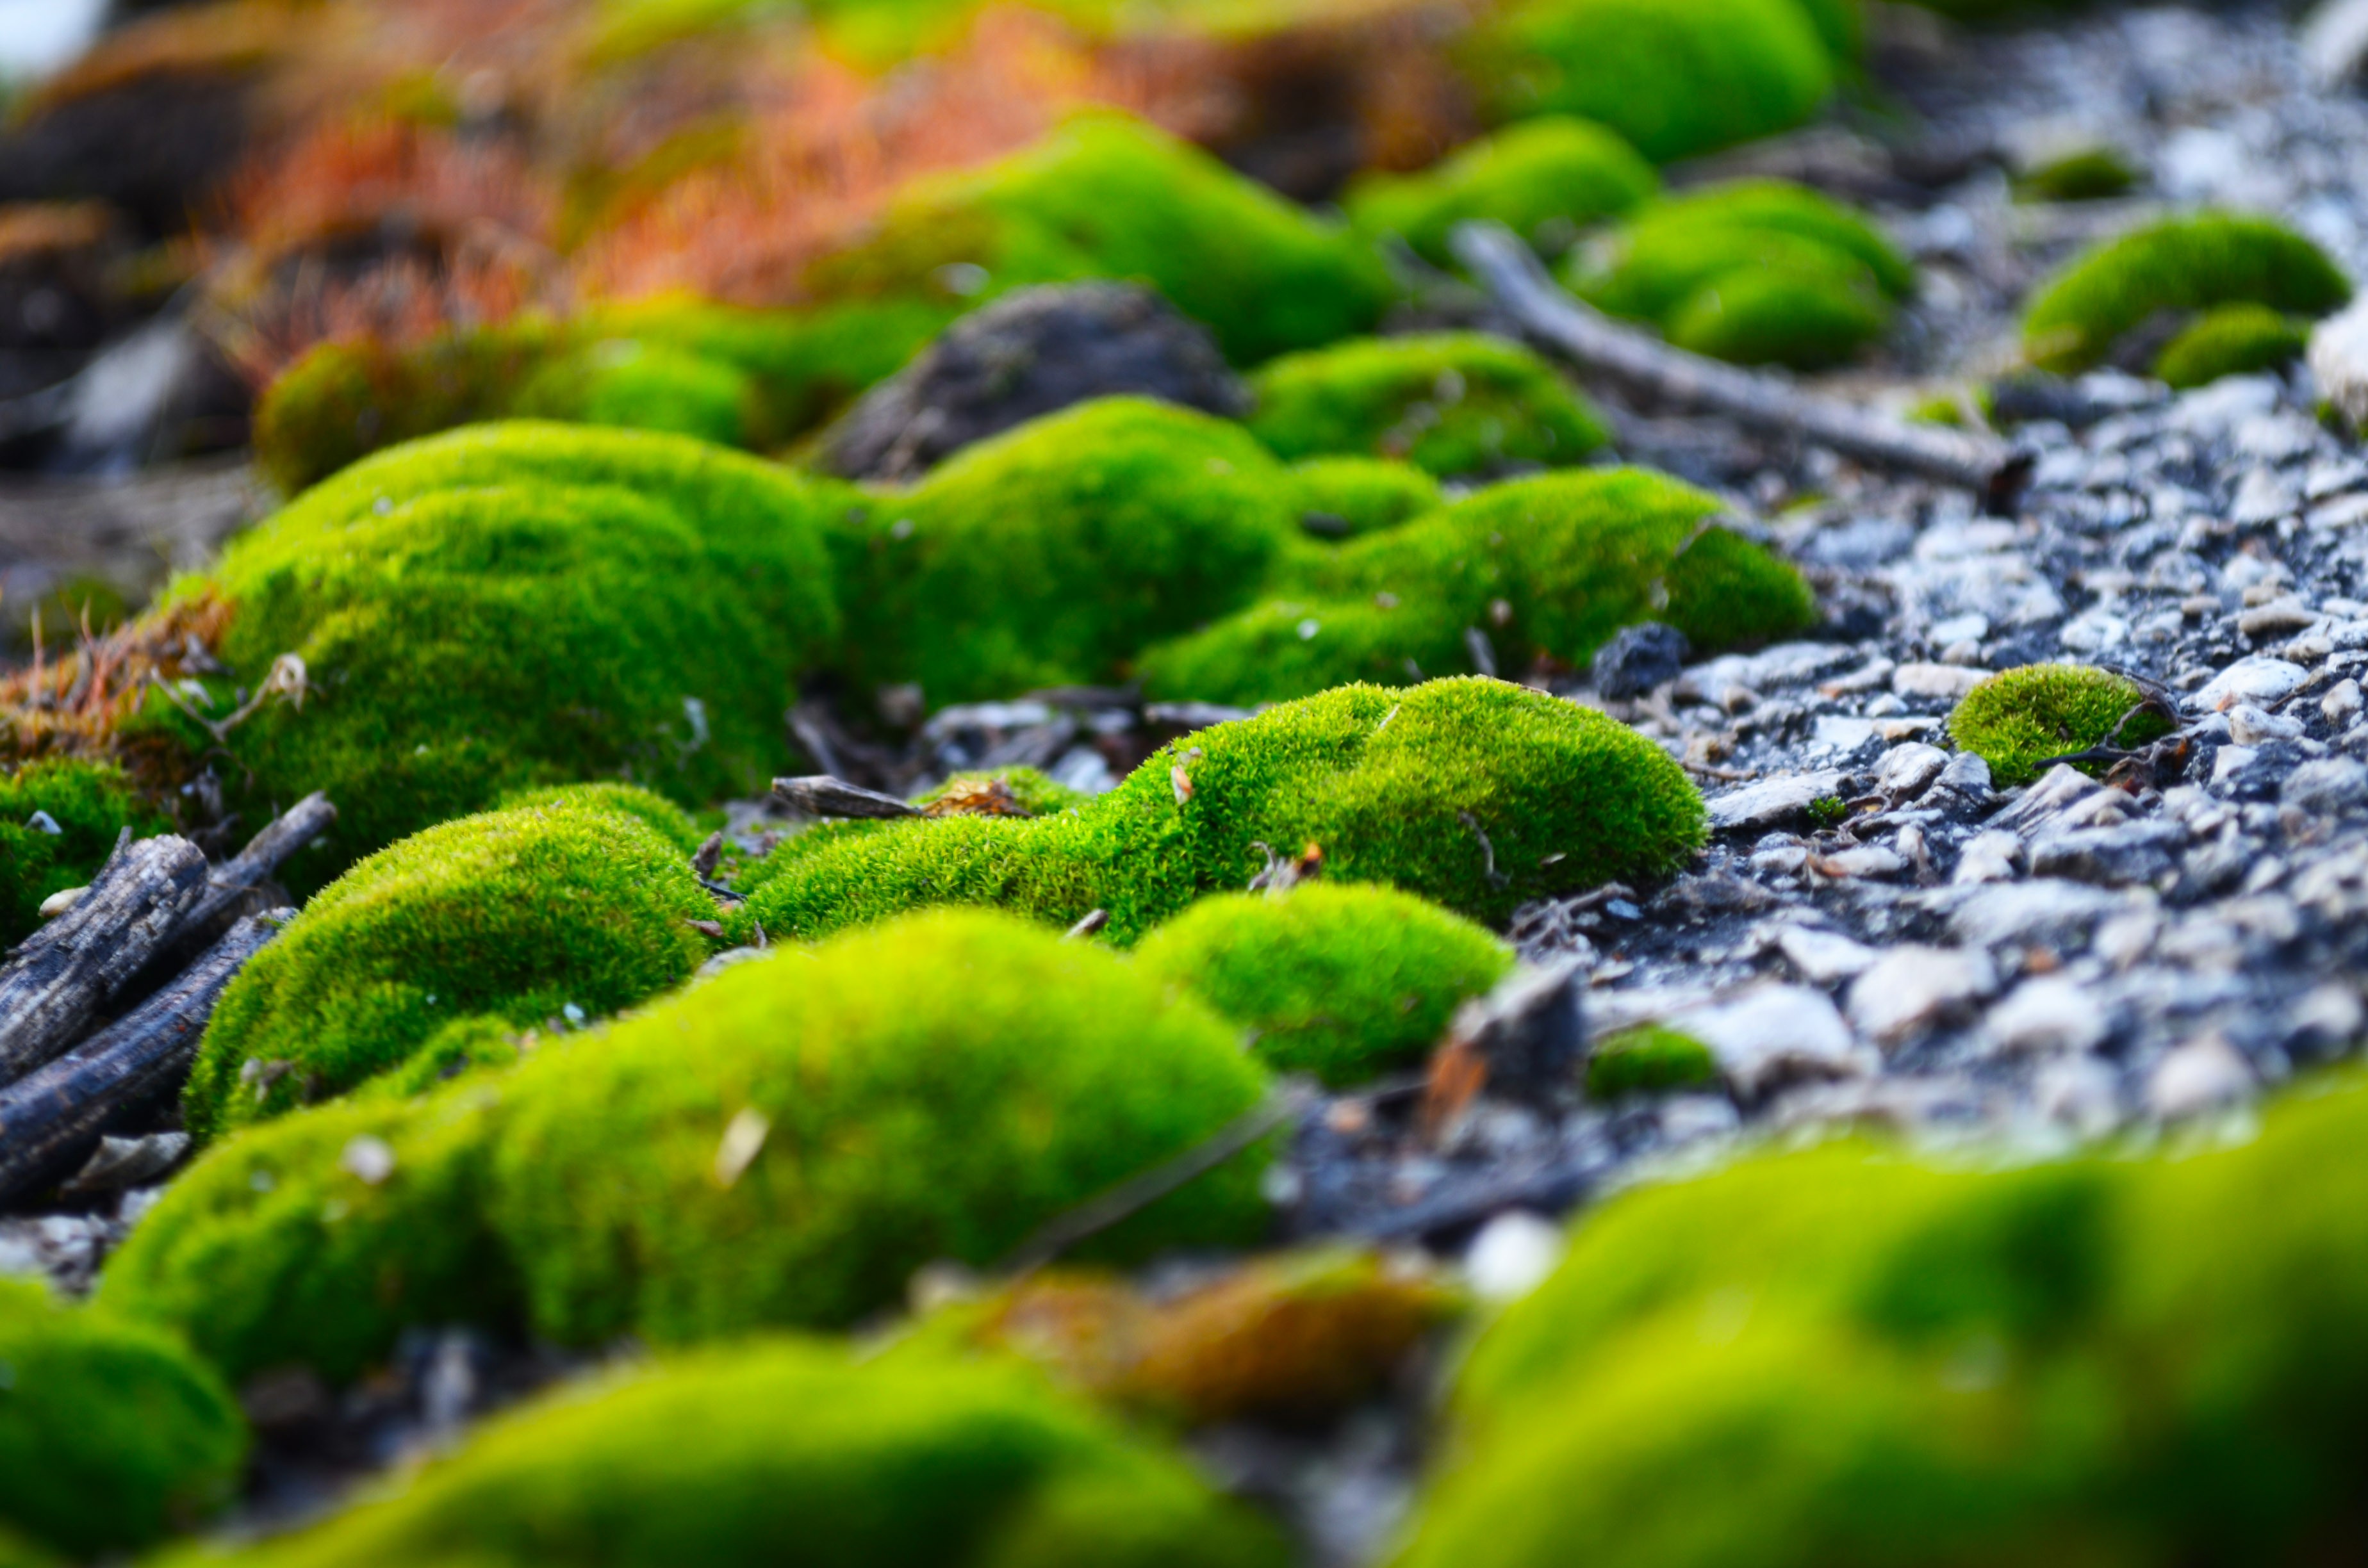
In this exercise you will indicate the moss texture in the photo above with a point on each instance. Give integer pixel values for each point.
(1345, 982)
(2231, 340)
(569, 908)
(1548, 568)
(1452, 404)
(90, 803)
(1675, 78)
(1546, 179)
(722, 1457)
(111, 1434)
(2018, 718)
(1649, 1060)
(1474, 794)
(2175, 267)
(1343, 497)
(771, 1148)
(2098, 174)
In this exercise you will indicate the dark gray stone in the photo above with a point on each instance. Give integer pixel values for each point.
(1639, 658)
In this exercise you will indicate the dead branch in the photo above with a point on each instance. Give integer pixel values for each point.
(236, 878)
(70, 968)
(1593, 341)
(820, 795)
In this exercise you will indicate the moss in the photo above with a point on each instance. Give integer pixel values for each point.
(721, 1458)
(2177, 267)
(518, 604)
(1293, 647)
(571, 907)
(1046, 556)
(1475, 794)
(1675, 78)
(1806, 321)
(1345, 982)
(1546, 179)
(1779, 207)
(1031, 790)
(634, 385)
(2017, 718)
(1841, 28)
(1649, 1060)
(90, 803)
(111, 1434)
(2096, 174)
(1343, 497)
(2231, 340)
(1452, 404)
(653, 810)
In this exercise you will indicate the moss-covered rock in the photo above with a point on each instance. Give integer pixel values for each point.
(571, 907)
(2231, 340)
(1342, 497)
(1346, 982)
(111, 1434)
(1649, 1060)
(59, 820)
(2093, 174)
(2174, 268)
(720, 1459)
(1546, 179)
(1675, 78)
(2018, 718)
(1451, 404)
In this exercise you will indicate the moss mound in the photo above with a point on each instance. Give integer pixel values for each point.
(517, 605)
(2017, 718)
(1344, 982)
(1675, 78)
(1451, 404)
(1474, 794)
(720, 1459)
(2231, 340)
(88, 804)
(2098, 174)
(1342, 497)
(569, 907)
(111, 1434)
(1649, 1060)
(783, 1145)
(2175, 267)
(1546, 179)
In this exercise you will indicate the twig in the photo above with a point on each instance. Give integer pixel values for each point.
(820, 795)
(71, 966)
(1512, 274)
(1088, 924)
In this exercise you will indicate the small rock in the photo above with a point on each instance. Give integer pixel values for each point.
(1824, 958)
(1777, 1034)
(2250, 726)
(2258, 680)
(2110, 856)
(1512, 1255)
(1771, 802)
(2342, 703)
(2204, 1074)
(1994, 856)
(1639, 658)
(1866, 860)
(2263, 496)
(1947, 682)
(2326, 786)
(2338, 360)
(2079, 1093)
(1913, 988)
(2045, 911)
(2277, 619)
(2048, 1013)
(1905, 771)
(2229, 762)
(57, 903)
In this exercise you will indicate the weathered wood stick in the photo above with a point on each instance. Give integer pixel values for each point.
(1512, 274)
(229, 884)
(820, 795)
(69, 969)
(50, 1119)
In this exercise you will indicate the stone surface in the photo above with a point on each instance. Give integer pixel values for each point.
(1778, 1034)
(1914, 988)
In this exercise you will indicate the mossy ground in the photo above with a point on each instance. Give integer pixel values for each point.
(1345, 982)
(1547, 179)
(1343, 497)
(2231, 340)
(2017, 718)
(90, 803)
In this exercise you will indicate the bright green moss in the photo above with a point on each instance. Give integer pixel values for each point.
(1475, 794)
(634, 385)
(1546, 179)
(1342, 981)
(654, 812)
(524, 915)
(516, 605)
(2018, 718)
(2231, 340)
(111, 1434)
(90, 803)
(1342, 497)
(1451, 404)
(1675, 78)
(2096, 174)
(1047, 554)
(1649, 1060)
(722, 1458)
(1780, 207)
(1031, 790)
(1279, 649)
(2180, 266)
(1806, 321)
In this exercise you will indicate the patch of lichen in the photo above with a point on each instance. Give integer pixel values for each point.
(1454, 405)
(1343, 497)
(516, 605)
(1343, 981)
(1675, 78)
(1649, 1060)
(90, 803)
(571, 907)
(1547, 179)
(2175, 267)
(110, 1433)
(2231, 340)
(2018, 718)
(720, 1458)
(1475, 794)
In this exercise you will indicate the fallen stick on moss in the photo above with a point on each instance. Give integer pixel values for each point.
(68, 970)
(1512, 274)
(52, 1118)
(820, 795)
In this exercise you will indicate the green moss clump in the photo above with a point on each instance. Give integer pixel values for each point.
(1474, 794)
(1546, 179)
(523, 914)
(516, 605)
(90, 803)
(2098, 174)
(2177, 267)
(1649, 1060)
(651, 810)
(1030, 788)
(2231, 340)
(1345, 982)
(1343, 497)
(111, 1434)
(2017, 718)
(1451, 404)
(721, 1458)
(1675, 78)
(1808, 322)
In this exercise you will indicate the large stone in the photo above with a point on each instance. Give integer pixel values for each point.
(1911, 989)
(1771, 802)
(1778, 1034)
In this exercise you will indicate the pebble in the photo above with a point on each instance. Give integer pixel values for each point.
(1512, 1255)
(2326, 786)
(2342, 703)
(2204, 1074)
(2250, 726)
(1639, 658)
(1946, 681)
(2259, 681)
(1824, 958)
(1771, 802)
(1778, 1034)
(1907, 771)
(1911, 989)
(2049, 1013)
